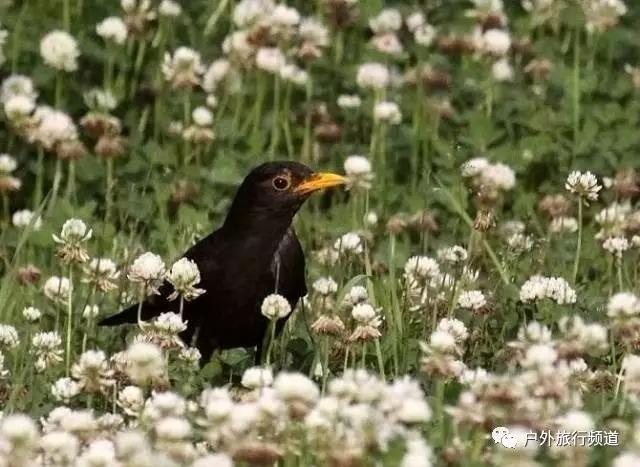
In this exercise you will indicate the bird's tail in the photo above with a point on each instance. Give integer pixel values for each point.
(130, 315)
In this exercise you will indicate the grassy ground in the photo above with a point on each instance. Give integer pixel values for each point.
(481, 269)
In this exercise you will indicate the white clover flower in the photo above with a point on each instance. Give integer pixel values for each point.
(31, 314)
(583, 184)
(19, 431)
(474, 167)
(294, 74)
(415, 20)
(65, 389)
(626, 459)
(349, 244)
(455, 327)
(147, 269)
(213, 460)
(534, 332)
(364, 313)
(325, 286)
(202, 116)
(292, 387)
(388, 20)
(275, 306)
(172, 429)
(8, 336)
(313, 32)
(539, 356)
(17, 85)
(59, 448)
(183, 68)
(90, 311)
(358, 171)
(388, 112)
(472, 300)
(170, 9)
(18, 108)
(57, 289)
(131, 400)
(442, 341)
(553, 288)
(100, 99)
(257, 377)
(454, 254)
(248, 12)
(190, 355)
(349, 101)
(373, 75)
(53, 127)
(7, 164)
(73, 231)
(622, 305)
(146, 362)
(496, 42)
(212, 101)
(424, 35)
(102, 272)
(284, 16)
(563, 224)
(184, 275)
(215, 74)
(387, 44)
(99, 453)
(499, 175)
(24, 218)
(502, 70)
(169, 323)
(421, 268)
(113, 29)
(60, 50)
(616, 245)
(356, 294)
(418, 454)
(270, 59)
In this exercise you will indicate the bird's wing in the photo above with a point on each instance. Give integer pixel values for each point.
(288, 268)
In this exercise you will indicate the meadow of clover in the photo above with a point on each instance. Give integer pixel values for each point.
(480, 270)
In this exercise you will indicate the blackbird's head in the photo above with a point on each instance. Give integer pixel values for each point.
(276, 190)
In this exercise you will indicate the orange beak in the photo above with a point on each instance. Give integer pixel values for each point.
(320, 181)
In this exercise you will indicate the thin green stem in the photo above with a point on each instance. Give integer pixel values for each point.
(69, 321)
(576, 262)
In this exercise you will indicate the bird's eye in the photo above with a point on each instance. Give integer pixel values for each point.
(281, 183)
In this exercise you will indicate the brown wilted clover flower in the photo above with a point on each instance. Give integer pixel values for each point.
(257, 453)
(29, 274)
(485, 220)
(328, 325)
(341, 13)
(625, 183)
(368, 321)
(555, 206)
(138, 16)
(71, 150)
(538, 69)
(184, 191)
(110, 146)
(424, 221)
(72, 236)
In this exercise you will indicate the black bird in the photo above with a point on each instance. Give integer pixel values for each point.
(255, 253)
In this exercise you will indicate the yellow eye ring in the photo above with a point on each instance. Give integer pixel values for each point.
(281, 183)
